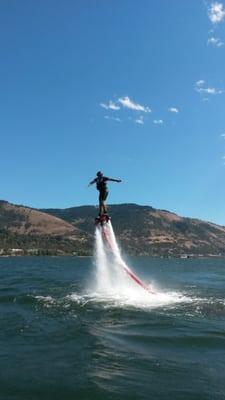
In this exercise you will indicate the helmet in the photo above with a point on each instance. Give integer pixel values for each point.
(99, 173)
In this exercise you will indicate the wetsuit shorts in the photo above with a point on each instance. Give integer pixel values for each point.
(103, 195)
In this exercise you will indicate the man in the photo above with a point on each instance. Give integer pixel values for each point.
(101, 186)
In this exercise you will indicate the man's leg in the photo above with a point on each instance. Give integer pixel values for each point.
(103, 203)
(100, 204)
(101, 208)
(104, 207)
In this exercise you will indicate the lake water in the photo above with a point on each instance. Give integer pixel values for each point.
(61, 339)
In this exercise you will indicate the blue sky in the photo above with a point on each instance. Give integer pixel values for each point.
(133, 88)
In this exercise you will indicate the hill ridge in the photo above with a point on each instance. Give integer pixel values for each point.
(140, 229)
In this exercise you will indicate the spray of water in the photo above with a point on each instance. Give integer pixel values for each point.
(114, 284)
(109, 273)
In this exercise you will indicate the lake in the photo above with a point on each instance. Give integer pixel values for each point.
(61, 338)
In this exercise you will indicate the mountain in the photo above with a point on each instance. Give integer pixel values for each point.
(149, 231)
(140, 230)
(35, 232)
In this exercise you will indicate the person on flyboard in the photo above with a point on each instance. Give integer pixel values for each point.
(101, 186)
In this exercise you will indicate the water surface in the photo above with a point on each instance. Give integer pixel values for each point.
(62, 339)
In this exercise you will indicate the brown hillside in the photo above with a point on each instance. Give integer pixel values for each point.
(27, 221)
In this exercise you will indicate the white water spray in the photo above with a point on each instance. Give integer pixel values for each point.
(113, 276)
(114, 283)
(109, 274)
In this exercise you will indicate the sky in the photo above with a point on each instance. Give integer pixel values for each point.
(135, 89)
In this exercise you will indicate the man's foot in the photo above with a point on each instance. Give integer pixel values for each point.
(102, 219)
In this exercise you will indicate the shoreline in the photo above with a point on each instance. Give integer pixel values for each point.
(199, 257)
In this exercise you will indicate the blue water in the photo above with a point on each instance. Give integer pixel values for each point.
(61, 340)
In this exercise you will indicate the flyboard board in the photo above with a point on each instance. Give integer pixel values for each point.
(102, 222)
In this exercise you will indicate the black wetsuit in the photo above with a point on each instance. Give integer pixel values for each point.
(101, 185)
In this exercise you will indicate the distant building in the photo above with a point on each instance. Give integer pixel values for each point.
(33, 252)
(17, 252)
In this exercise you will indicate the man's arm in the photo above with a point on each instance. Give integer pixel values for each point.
(114, 180)
(91, 183)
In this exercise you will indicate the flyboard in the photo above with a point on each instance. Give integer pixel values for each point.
(102, 224)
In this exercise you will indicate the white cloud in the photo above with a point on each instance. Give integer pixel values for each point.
(223, 135)
(209, 90)
(110, 106)
(200, 83)
(216, 42)
(113, 118)
(200, 88)
(140, 120)
(158, 121)
(173, 110)
(128, 103)
(216, 12)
